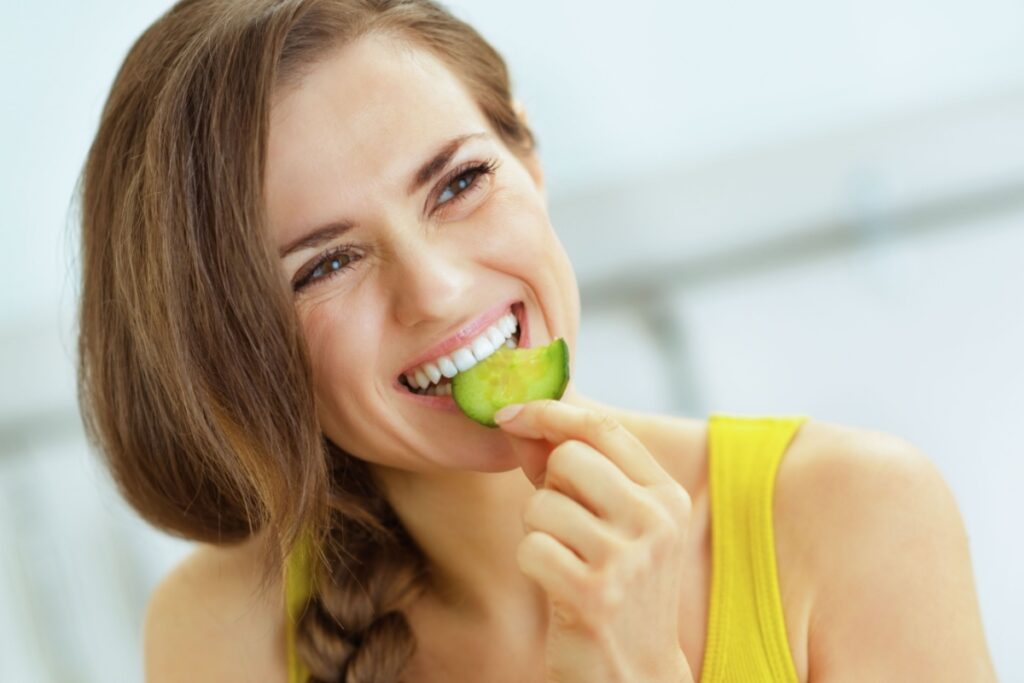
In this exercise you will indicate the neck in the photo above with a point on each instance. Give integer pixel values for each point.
(468, 525)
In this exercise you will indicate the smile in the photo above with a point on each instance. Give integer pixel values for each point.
(433, 377)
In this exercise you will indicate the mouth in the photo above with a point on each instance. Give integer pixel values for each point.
(433, 379)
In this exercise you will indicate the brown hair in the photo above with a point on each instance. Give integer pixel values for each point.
(193, 378)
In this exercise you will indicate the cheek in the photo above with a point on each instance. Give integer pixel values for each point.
(524, 244)
(515, 232)
(332, 344)
(527, 243)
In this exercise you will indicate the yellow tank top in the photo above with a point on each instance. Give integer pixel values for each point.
(298, 584)
(746, 633)
(746, 636)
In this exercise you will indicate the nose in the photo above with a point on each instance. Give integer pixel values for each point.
(429, 283)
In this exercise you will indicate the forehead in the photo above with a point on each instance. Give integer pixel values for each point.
(356, 127)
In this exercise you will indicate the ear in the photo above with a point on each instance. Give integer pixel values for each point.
(531, 161)
(517, 104)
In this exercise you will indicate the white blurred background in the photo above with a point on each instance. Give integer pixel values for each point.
(790, 207)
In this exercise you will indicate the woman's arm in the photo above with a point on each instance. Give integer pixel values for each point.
(894, 596)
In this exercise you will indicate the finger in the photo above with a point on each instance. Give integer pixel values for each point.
(532, 456)
(558, 570)
(572, 525)
(587, 476)
(556, 421)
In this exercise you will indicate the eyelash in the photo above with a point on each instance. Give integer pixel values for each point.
(474, 168)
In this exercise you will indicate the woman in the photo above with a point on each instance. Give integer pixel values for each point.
(295, 213)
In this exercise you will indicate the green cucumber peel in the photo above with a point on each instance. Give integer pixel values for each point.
(512, 376)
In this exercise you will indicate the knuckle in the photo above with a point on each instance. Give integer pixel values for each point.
(606, 595)
(562, 454)
(678, 501)
(657, 517)
(614, 544)
(546, 412)
(665, 529)
(600, 422)
(530, 547)
(664, 537)
(547, 500)
(563, 619)
(584, 583)
(534, 508)
(556, 462)
(647, 507)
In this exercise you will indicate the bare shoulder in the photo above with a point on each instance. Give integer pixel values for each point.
(870, 530)
(208, 620)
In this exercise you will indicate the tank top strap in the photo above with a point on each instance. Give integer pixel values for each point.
(746, 639)
(298, 585)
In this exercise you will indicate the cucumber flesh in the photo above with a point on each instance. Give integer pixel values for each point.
(512, 376)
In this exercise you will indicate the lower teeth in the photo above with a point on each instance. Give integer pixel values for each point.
(439, 389)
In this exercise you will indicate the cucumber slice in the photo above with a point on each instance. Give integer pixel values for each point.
(512, 376)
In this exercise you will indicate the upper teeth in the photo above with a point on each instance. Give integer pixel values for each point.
(465, 357)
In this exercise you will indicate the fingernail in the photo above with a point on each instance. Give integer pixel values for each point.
(508, 412)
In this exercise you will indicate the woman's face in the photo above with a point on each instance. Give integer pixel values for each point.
(426, 253)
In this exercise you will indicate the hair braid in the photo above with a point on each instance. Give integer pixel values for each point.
(354, 629)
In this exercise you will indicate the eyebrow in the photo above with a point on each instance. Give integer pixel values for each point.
(424, 175)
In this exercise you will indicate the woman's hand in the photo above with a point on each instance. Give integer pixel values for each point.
(605, 532)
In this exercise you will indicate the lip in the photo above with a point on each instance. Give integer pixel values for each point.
(463, 336)
(447, 402)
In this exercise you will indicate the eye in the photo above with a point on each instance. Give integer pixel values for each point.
(464, 180)
(327, 266)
